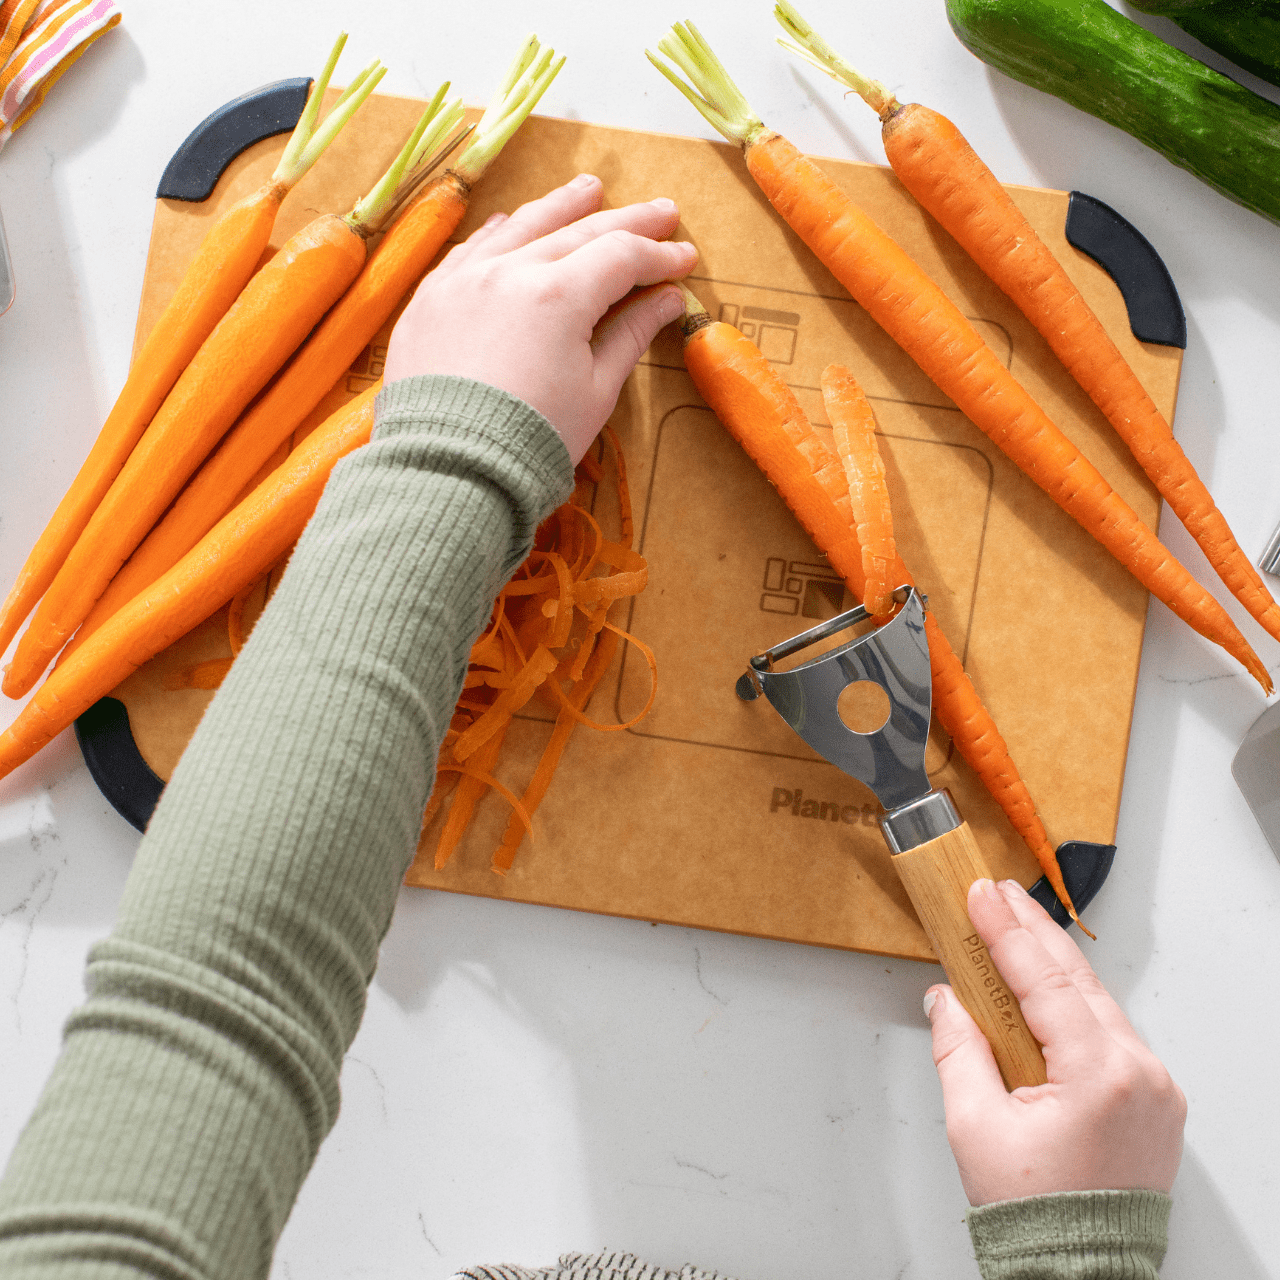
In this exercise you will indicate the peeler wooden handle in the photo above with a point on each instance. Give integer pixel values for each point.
(937, 875)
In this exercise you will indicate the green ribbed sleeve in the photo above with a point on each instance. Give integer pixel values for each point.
(1079, 1235)
(199, 1078)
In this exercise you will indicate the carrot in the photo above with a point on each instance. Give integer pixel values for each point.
(762, 414)
(941, 170)
(276, 311)
(854, 428)
(235, 553)
(394, 267)
(222, 266)
(902, 299)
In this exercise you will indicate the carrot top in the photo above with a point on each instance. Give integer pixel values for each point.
(527, 79)
(709, 88)
(307, 143)
(810, 46)
(424, 150)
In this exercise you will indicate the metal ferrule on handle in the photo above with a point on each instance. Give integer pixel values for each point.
(920, 820)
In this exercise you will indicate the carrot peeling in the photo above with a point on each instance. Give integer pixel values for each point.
(549, 637)
(854, 427)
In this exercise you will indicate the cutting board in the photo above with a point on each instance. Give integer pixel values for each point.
(710, 812)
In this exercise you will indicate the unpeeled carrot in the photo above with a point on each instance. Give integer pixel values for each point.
(394, 267)
(937, 165)
(854, 427)
(222, 266)
(929, 327)
(234, 554)
(763, 415)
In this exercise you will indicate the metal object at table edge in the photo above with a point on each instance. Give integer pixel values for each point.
(1269, 560)
(8, 289)
(1256, 770)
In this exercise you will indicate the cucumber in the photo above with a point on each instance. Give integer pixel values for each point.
(1247, 33)
(1089, 55)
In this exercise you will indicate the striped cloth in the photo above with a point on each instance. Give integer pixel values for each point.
(608, 1265)
(39, 40)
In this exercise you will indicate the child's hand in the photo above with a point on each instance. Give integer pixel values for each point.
(517, 305)
(1110, 1116)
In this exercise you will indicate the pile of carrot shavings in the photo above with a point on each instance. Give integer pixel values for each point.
(550, 638)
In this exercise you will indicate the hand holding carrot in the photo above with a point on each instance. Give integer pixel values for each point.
(520, 305)
(1110, 1116)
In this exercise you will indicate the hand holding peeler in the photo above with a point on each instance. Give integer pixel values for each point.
(933, 849)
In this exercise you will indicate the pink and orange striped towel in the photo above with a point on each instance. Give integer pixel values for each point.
(39, 40)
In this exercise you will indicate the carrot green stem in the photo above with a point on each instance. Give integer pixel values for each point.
(818, 53)
(307, 143)
(709, 86)
(406, 171)
(533, 69)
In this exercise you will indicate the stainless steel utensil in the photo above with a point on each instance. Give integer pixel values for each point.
(1256, 769)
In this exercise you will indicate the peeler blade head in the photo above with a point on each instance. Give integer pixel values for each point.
(890, 759)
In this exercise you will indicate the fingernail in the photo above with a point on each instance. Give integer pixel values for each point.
(494, 218)
(932, 1001)
(667, 206)
(583, 180)
(670, 305)
(988, 890)
(1013, 889)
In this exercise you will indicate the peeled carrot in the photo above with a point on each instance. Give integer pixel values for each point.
(277, 309)
(395, 266)
(937, 165)
(854, 427)
(234, 554)
(762, 414)
(222, 266)
(907, 304)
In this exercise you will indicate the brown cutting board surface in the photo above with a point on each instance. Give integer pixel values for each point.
(711, 812)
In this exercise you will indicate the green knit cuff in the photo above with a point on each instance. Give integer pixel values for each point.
(1075, 1235)
(496, 415)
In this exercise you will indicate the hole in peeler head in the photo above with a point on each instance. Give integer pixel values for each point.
(863, 706)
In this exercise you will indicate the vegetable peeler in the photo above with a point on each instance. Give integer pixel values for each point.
(934, 851)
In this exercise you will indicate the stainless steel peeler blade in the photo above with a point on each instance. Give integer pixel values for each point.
(890, 760)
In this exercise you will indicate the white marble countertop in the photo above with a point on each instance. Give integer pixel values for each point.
(530, 1081)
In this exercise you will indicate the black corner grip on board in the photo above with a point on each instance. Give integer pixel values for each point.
(1126, 255)
(215, 142)
(116, 764)
(1084, 868)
